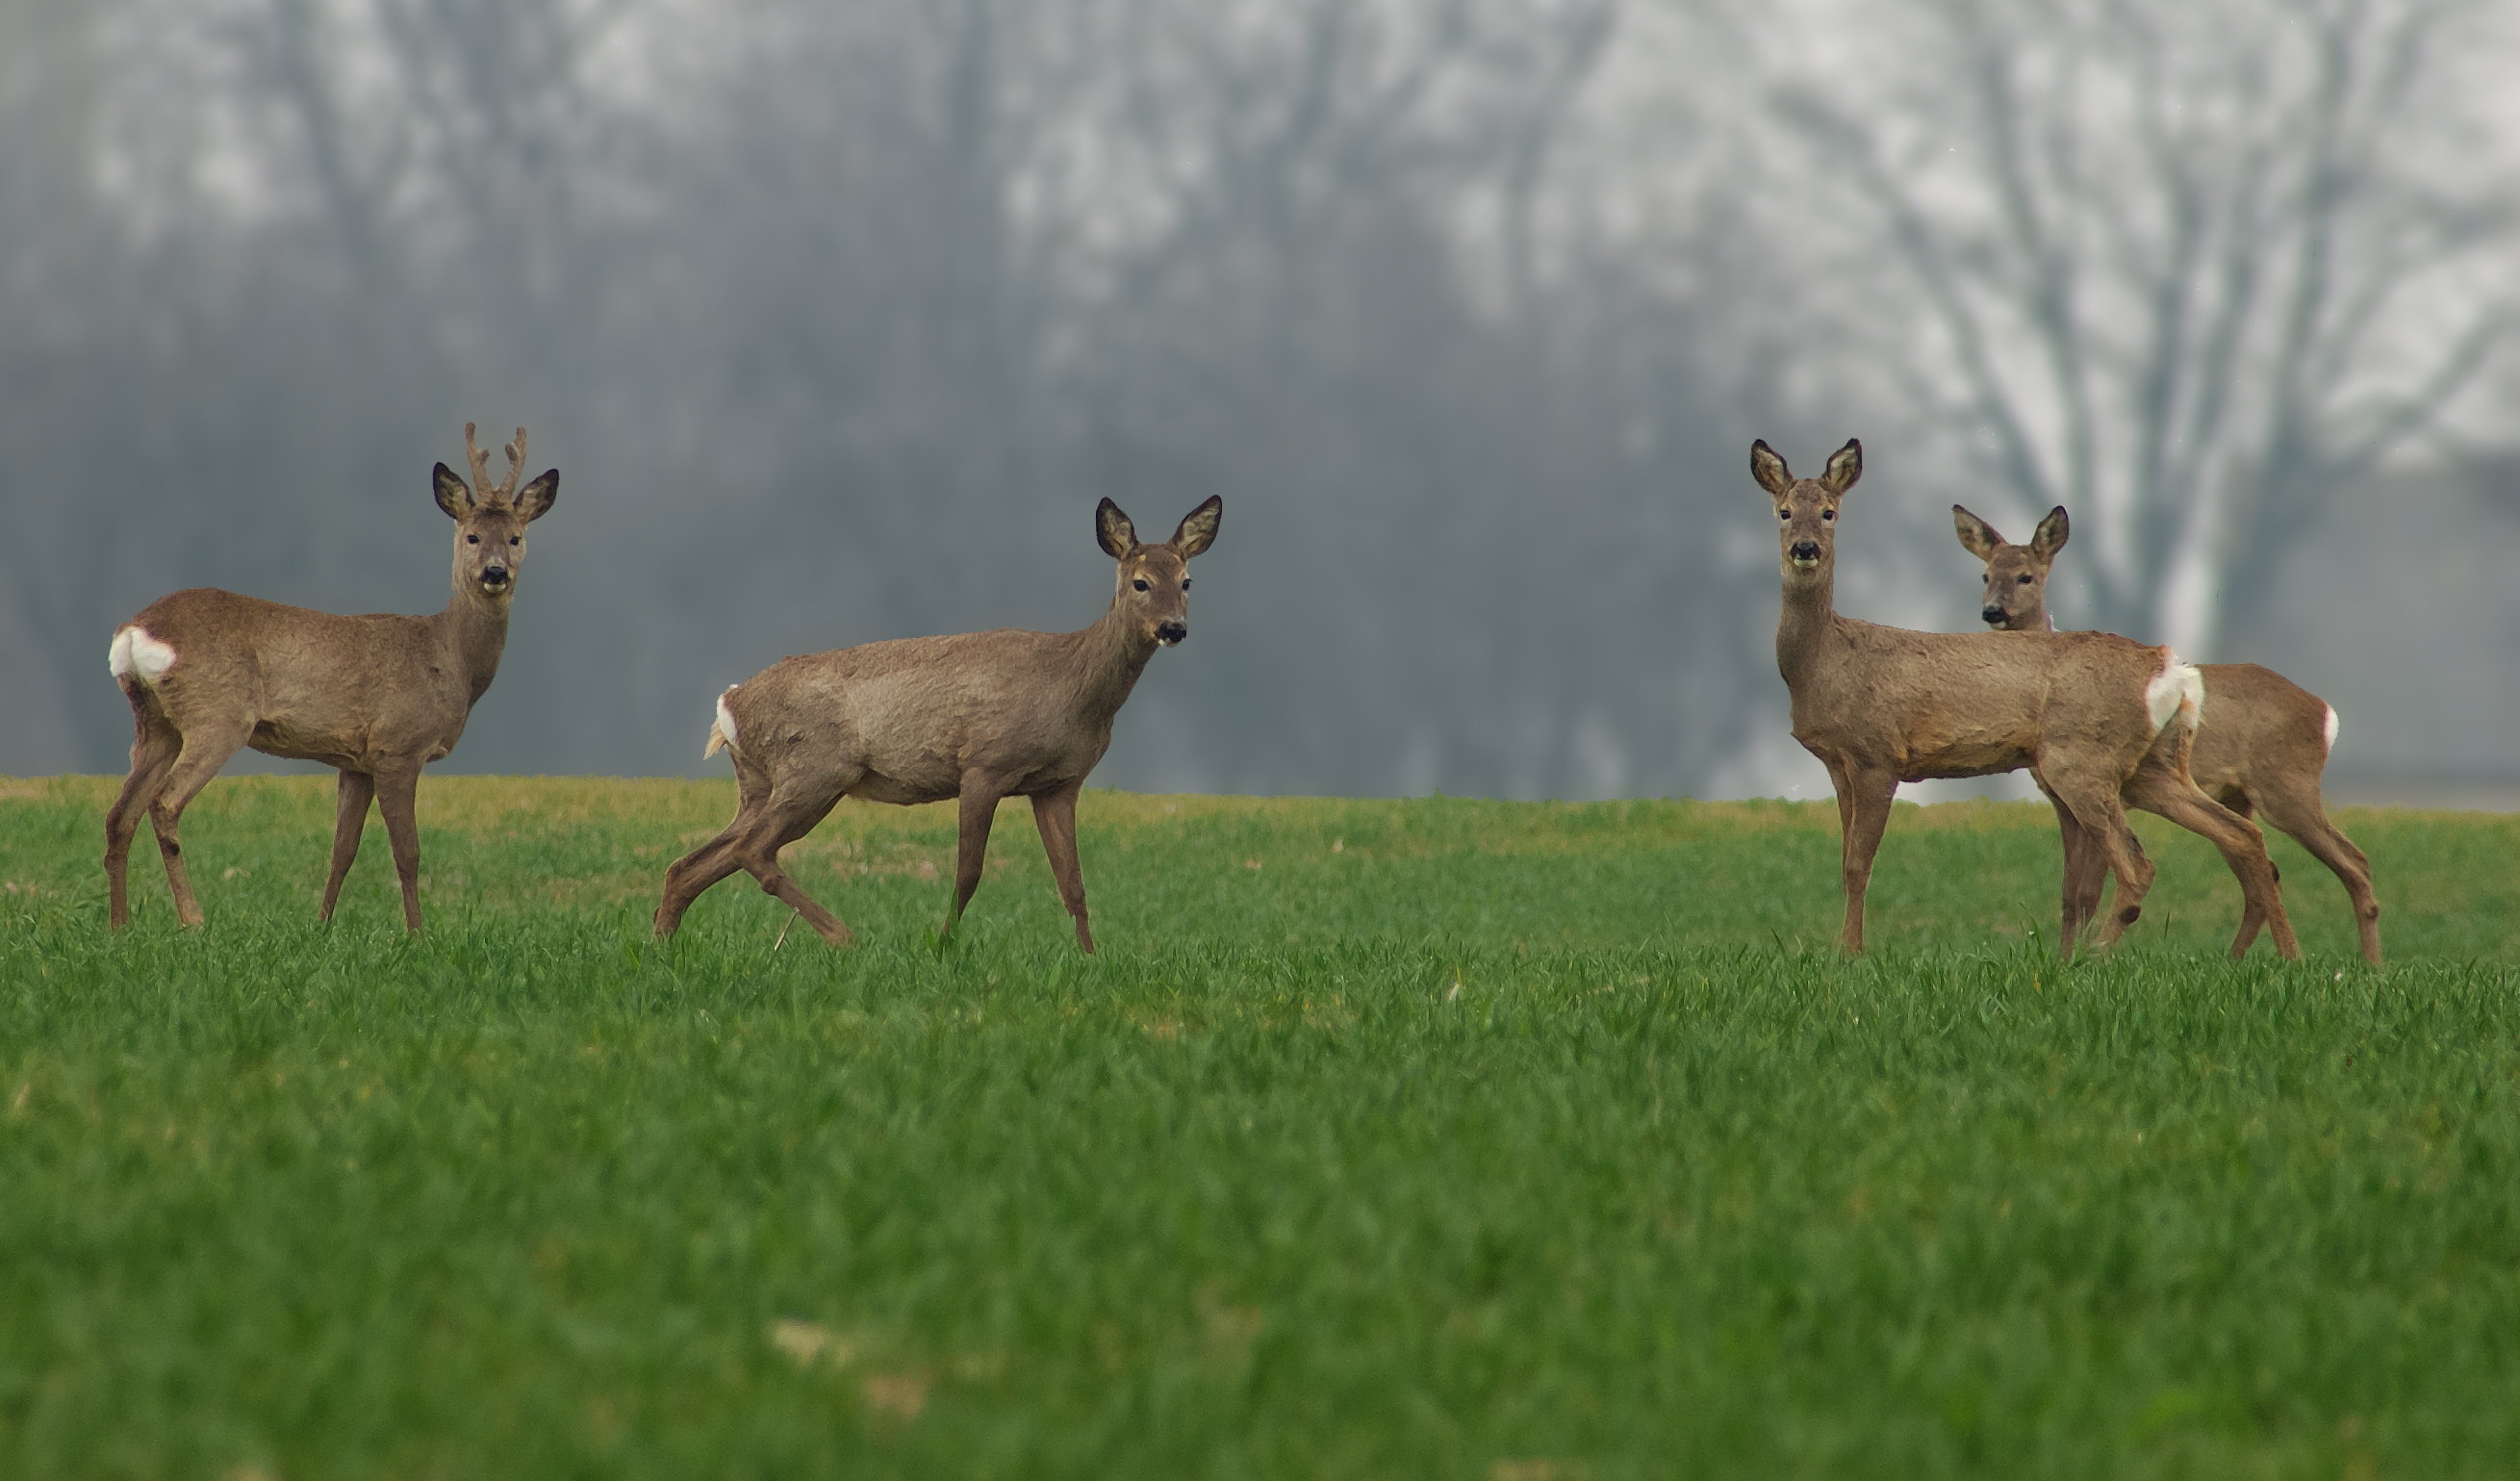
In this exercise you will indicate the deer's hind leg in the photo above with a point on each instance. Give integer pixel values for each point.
(788, 816)
(693, 874)
(773, 813)
(206, 746)
(768, 817)
(2242, 846)
(2151, 789)
(2301, 812)
(154, 745)
(689, 876)
(2093, 796)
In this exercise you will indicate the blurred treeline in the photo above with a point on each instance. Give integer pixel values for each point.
(839, 318)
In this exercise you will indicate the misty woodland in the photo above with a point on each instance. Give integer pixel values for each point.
(845, 313)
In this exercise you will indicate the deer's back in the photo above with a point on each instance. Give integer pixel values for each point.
(1968, 704)
(919, 713)
(319, 686)
(2258, 723)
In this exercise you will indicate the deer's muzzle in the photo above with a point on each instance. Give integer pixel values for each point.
(1806, 553)
(1171, 630)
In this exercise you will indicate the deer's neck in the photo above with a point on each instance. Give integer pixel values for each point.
(1108, 658)
(473, 632)
(1803, 626)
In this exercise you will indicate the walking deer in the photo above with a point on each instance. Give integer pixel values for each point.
(2098, 719)
(981, 717)
(209, 672)
(2264, 750)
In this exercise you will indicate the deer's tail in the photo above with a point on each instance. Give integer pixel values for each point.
(2177, 690)
(136, 658)
(721, 736)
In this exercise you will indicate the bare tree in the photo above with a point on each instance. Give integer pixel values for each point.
(2196, 269)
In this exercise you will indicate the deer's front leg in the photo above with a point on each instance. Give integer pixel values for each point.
(398, 799)
(1055, 813)
(980, 794)
(357, 790)
(1864, 797)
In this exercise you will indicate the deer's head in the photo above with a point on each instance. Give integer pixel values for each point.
(1807, 507)
(1152, 588)
(2016, 575)
(490, 518)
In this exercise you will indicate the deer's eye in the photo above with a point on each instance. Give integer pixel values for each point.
(1185, 583)
(1140, 583)
(472, 539)
(1829, 514)
(515, 539)
(2021, 580)
(1784, 513)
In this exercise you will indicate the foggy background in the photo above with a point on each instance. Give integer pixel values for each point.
(839, 318)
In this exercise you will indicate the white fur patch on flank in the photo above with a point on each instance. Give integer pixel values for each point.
(134, 651)
(2177, 690)
(2329, 730)
(722, 733)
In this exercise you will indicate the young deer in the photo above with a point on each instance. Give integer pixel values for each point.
(2266, 745)
(208, 673)
(980, 716)
(2091, 715)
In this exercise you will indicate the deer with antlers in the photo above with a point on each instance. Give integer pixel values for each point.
(978, 717)
(209, 672)
(2098, 719)
(2265, 749)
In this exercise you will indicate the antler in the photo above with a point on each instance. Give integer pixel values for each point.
(480, 462)
(515, 467)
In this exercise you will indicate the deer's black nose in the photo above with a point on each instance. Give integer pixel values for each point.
(1171, 630)
(1991, 615)
(1806, 550)
(496, 575)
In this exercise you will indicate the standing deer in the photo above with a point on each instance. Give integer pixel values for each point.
(209, 672)
(2091, 715)
(980, 716)
(2263, 752)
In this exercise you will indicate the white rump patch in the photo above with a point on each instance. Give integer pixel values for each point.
(2329, 728)
(723, 731)
(2177, 690)
(134, 651)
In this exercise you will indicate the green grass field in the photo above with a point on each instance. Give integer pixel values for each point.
(1381, 1139)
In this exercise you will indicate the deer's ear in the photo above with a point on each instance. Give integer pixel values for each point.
(2051, 535)
(535, 499)
(453, 495)
(1114, 530)
(1845, 465)
(1769, 469)
(1977, 537)
(1198, 529)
